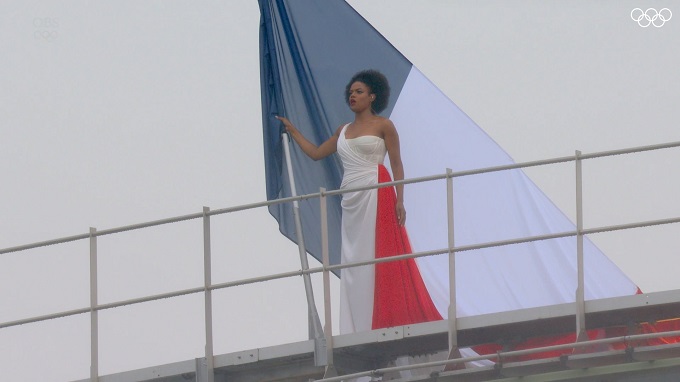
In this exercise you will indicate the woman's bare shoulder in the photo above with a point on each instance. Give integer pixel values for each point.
(385, 124)
(339, 129)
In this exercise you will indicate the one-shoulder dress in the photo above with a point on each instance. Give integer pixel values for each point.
(387, 294)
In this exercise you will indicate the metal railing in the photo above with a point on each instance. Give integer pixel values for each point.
(326, 268)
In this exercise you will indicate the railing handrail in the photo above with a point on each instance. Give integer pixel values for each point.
(268, 203)
(276, 276)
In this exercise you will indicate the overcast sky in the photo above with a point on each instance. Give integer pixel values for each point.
(114, 113)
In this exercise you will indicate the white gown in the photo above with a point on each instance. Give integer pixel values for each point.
(360, 159)
(388, 294)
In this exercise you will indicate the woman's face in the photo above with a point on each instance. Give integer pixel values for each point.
(360, 97)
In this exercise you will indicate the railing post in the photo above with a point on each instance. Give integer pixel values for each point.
(325, 257)
(581, 334)
(454, 352)
(207, 277)
(94, 318)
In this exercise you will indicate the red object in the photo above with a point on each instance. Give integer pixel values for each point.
(401, 297)
(610, 332)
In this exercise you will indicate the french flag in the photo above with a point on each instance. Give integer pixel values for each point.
(309, 50)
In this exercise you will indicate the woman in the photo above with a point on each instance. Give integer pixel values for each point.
(372, 221)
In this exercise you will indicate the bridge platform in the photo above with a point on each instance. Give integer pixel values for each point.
(377, 349)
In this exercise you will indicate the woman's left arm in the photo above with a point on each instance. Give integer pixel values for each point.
(392, 144)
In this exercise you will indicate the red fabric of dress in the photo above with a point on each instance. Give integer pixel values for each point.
(401, 297)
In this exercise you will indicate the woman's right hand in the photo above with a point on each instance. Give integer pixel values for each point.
(287, 124)
(313, 151)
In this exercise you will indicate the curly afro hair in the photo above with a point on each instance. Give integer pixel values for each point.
(378, 84)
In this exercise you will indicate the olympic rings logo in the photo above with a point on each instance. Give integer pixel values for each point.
(651, 17)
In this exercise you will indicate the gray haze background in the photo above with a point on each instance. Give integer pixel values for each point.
(114, 113)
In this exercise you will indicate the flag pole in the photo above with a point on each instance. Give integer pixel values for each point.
(315, 329)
